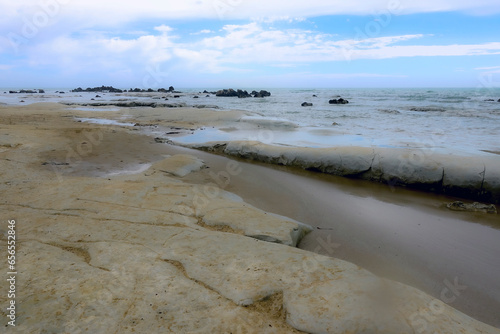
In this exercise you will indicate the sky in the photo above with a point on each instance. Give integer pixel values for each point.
(249, 44)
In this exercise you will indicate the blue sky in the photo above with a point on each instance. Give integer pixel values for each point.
(242, 43)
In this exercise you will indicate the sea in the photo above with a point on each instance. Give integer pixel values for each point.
(461, 121)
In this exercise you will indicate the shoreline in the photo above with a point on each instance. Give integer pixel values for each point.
(476, 178)
(167, 242)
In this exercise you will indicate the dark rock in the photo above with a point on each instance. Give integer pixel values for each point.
(21, 101)
(427, 109)
(489, 100)
(205, 92)
(109, 89)
(207, 96)
(338, 101)
(262, 93)
(203, 106)
(12, 92)
(23, 91)
(315, 95)
(92, 99)
(98, 96)
(242, 93)
(41, 91)
(335, 123)
(474, 207)
(62, 93)
(307, 104)
(226, 92)
(196, 97)
(171, 88)
(176, 96)
(498, 100)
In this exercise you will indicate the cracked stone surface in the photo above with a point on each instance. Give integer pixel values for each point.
(135, 254)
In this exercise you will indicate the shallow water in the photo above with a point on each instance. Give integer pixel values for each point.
(459, 121)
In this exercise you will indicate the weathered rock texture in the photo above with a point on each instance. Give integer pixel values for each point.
(149, 253)
(468, 177)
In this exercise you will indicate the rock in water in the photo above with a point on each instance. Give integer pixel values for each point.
(307, 104)
(474, 207)
(338, 101)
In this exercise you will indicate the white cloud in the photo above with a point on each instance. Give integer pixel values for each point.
(77, 15)
(235, 48)
(163, 29)
(487, 68)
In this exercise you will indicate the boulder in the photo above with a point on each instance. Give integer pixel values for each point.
(226, 92)
(262, 93)
(338, 101)
(196, 97)
(307, 104)
(242, 93)
(41, 91)
(171, 88)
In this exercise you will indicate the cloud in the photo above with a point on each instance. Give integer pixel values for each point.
(487, 68)
(77, 15)
(163, 29)
(234, 48)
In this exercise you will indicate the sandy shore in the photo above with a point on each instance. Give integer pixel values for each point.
(119, 233)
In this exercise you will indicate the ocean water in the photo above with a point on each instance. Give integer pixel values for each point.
(461, 121)
(457, 121)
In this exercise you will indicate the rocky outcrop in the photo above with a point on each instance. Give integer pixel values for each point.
(338, 101)
(467, 177)
(27, 91)
(102, 89)
(232, 93)
(241, 93)
(149, 253)
(262, 93)
(306, 104)
(129, 104)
